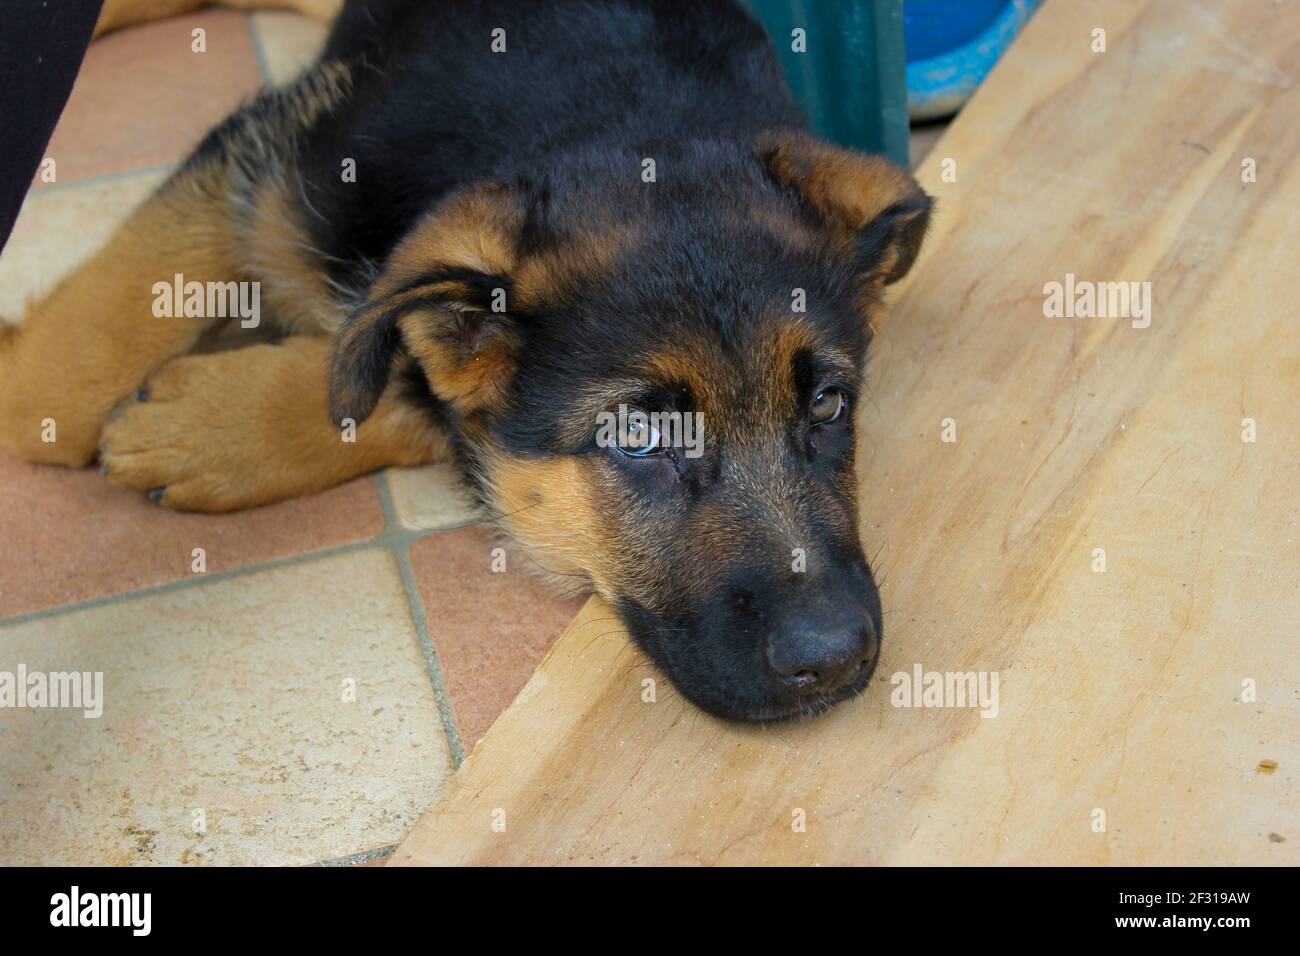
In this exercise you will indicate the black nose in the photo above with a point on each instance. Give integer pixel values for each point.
(822, 652)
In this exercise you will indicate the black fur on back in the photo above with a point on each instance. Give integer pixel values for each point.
(434, 107)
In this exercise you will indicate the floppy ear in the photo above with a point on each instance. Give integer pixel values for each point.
(440, 299)
(870, 202)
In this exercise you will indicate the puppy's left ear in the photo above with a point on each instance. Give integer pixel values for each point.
(869, 202)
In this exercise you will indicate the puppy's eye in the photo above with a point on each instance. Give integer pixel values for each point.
(828, 405)
(639, 440)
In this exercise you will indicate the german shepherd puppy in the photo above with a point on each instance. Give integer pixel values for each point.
(483, 227)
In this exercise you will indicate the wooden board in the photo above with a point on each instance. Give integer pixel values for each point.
(1125, 692)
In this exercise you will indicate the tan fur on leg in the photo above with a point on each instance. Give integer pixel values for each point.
(93, 340)
(248, 427)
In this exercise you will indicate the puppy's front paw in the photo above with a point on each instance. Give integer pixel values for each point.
(192, 438)
(251, 426)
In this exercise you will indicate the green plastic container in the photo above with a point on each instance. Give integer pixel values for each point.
(851, 81)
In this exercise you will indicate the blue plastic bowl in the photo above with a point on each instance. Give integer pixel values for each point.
(951, 46)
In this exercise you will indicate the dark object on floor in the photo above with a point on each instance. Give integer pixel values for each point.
(41, 49)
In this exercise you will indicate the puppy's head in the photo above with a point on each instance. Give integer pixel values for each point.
(654, 379)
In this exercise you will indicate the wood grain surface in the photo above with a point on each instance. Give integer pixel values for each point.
(1148, 713)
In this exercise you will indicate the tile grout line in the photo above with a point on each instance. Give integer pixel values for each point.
(195, 580)
(389, 537)
(259, 53)
(264, 74)
(99, 180)
(400, 546)
(393, 538)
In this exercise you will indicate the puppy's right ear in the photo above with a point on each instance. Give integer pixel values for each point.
(438, 299)
(362, 358)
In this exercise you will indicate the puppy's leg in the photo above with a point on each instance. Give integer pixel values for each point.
(251, 426)
(92, 340)
(228, 215)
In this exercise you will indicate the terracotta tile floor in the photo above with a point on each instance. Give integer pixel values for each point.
(160, 97)
(488, 649)
(300, 700)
